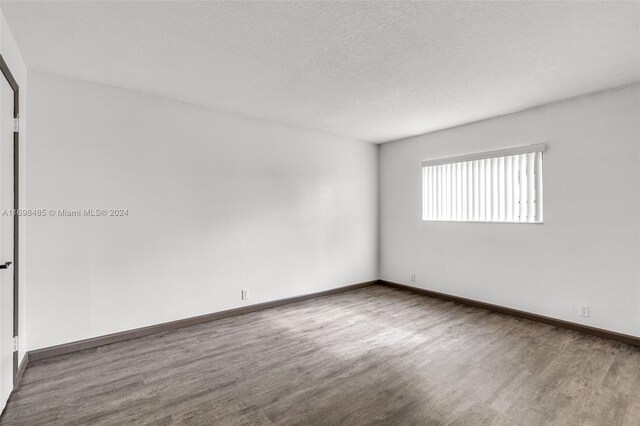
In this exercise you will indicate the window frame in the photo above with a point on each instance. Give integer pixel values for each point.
(501, 153)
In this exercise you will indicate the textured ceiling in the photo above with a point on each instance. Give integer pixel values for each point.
(373, 71)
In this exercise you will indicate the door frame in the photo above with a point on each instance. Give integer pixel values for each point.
(16, 152)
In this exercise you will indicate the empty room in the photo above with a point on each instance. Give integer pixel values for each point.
(320, 213)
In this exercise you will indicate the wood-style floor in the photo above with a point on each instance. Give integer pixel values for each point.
(371, 356)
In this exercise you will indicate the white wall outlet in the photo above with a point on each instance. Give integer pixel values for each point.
(583, 310)
(245, 294)
(413, 278)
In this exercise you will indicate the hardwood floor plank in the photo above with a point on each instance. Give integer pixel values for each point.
(376, 355)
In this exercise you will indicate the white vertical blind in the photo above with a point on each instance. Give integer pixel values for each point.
(499, 186)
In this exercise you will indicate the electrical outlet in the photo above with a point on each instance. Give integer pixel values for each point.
(583, 310)
(413, 278)
(245, 294)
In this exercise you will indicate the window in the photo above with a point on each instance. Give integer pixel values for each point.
(497, 186)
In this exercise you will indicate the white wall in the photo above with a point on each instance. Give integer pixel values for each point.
(216, 203)
(588, 249)
(14, 61)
